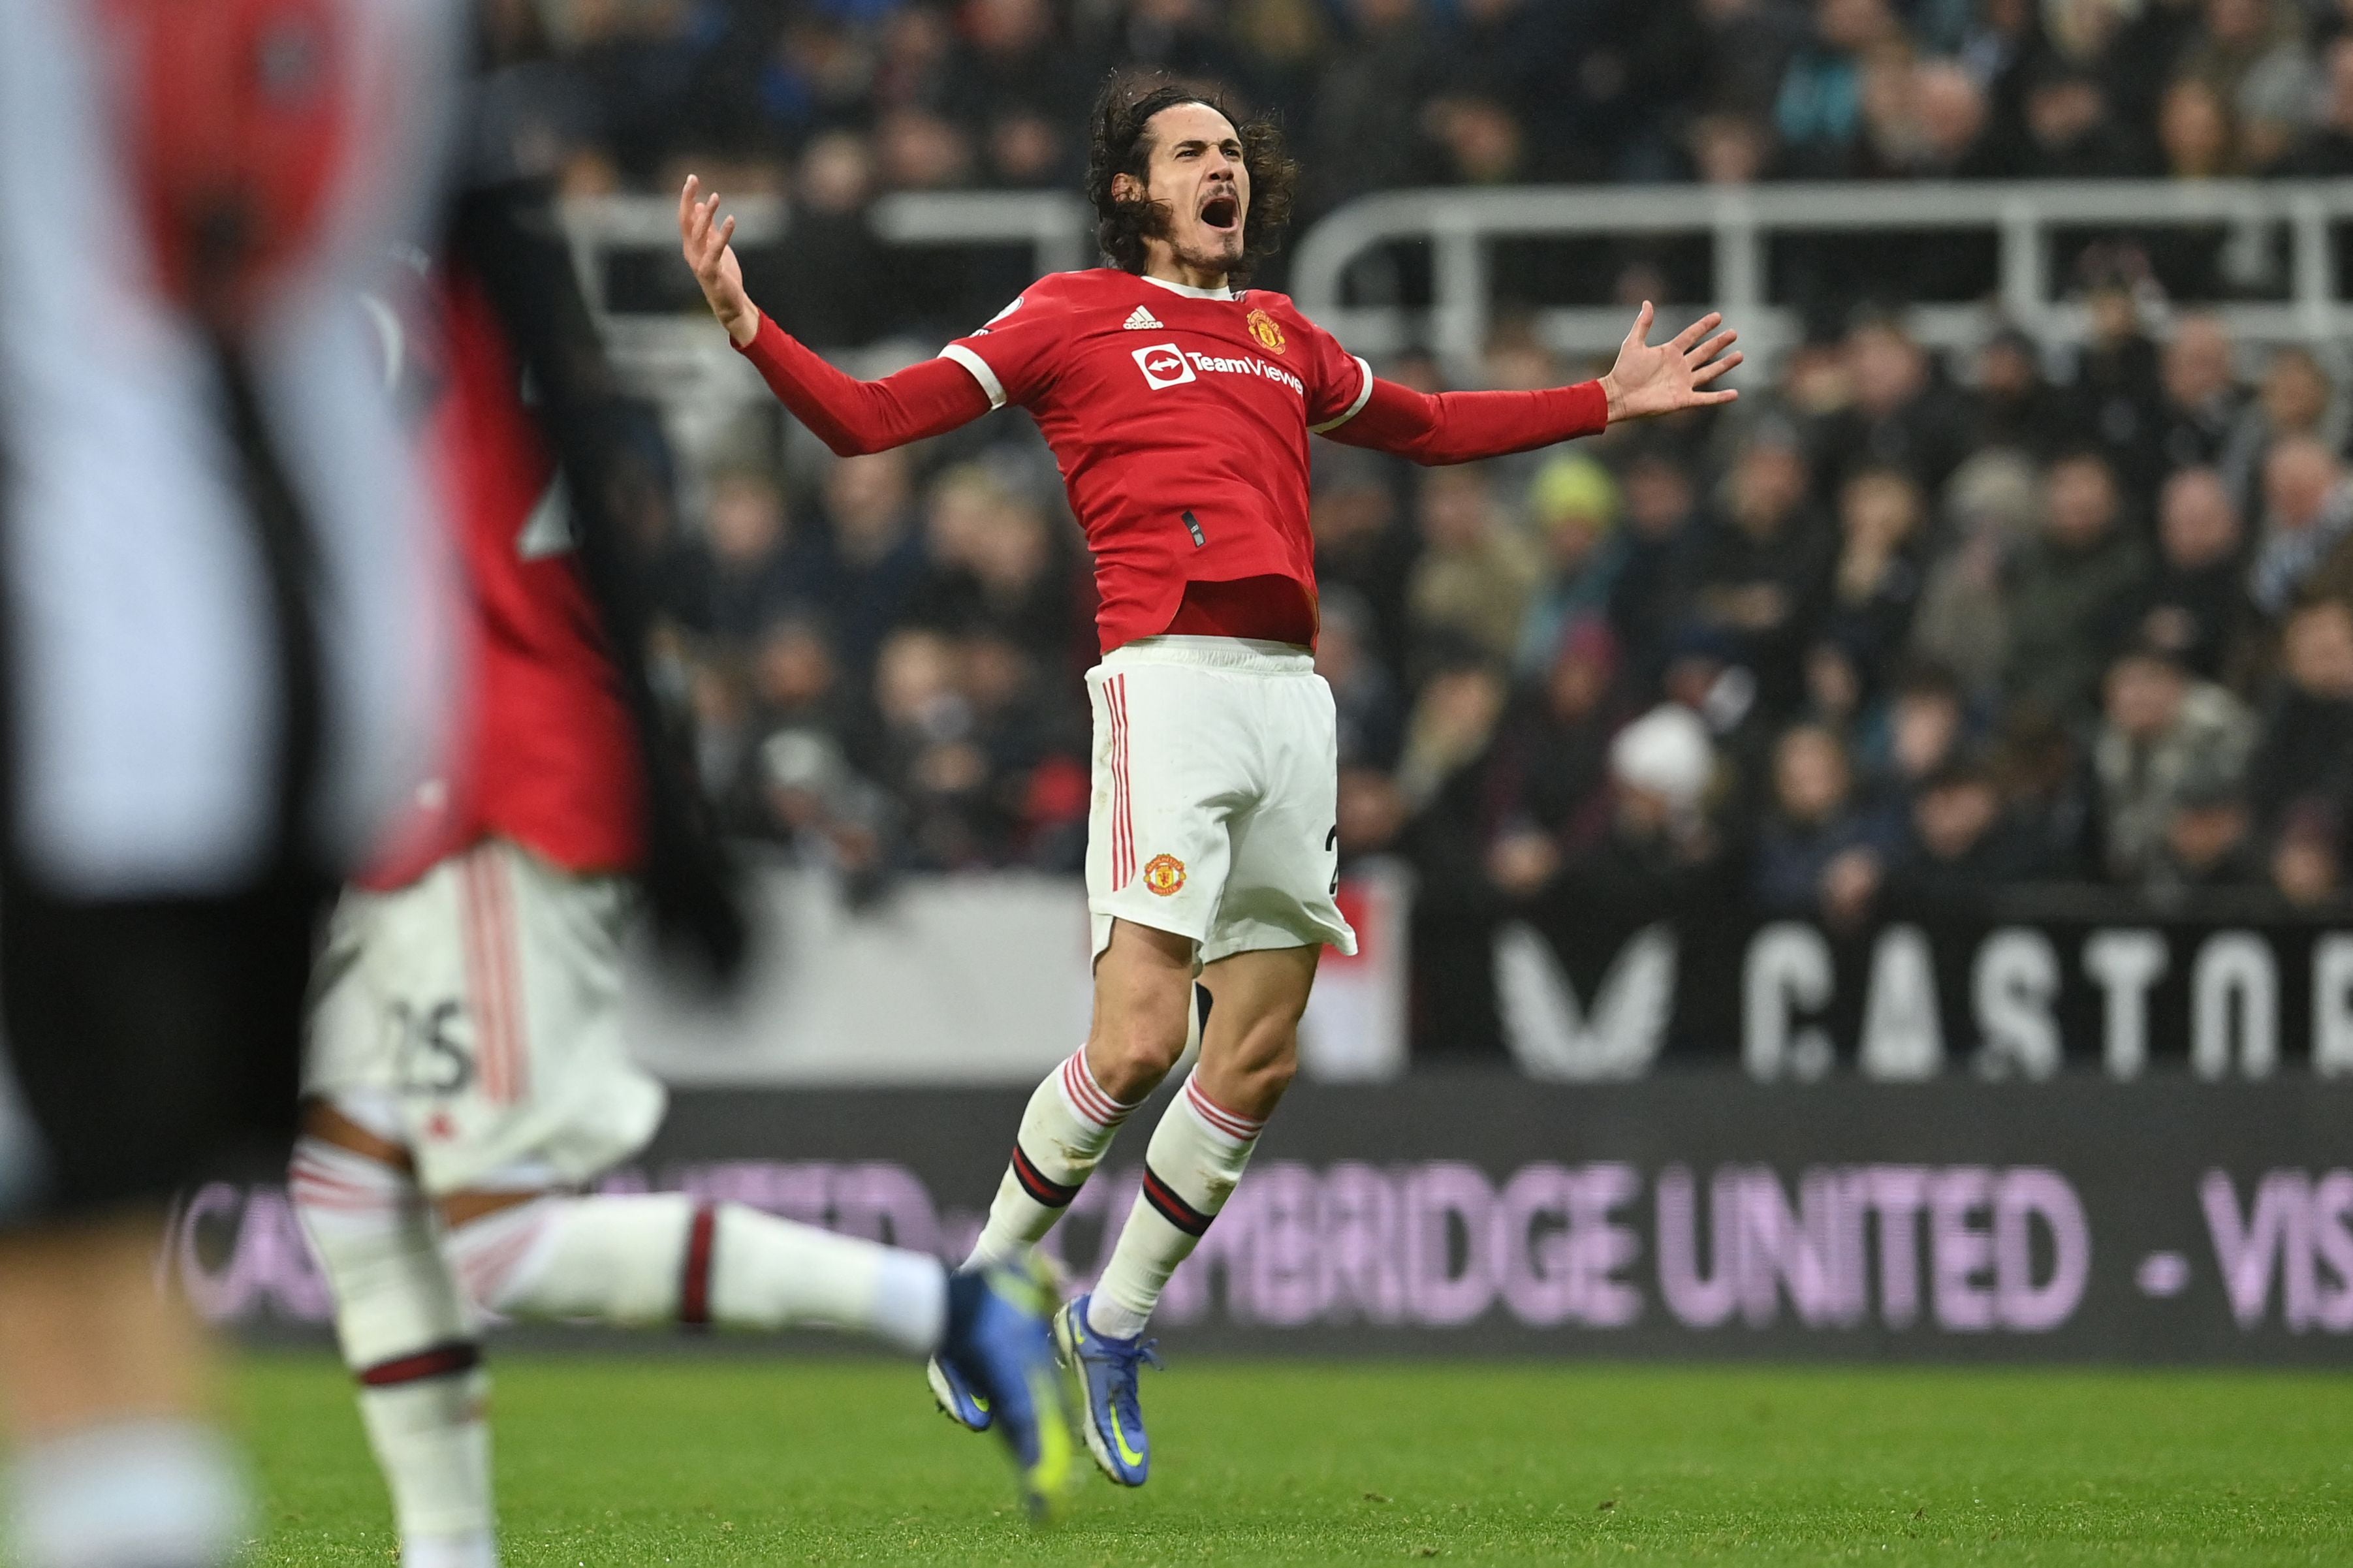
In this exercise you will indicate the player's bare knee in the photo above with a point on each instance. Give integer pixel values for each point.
(1130, 1056)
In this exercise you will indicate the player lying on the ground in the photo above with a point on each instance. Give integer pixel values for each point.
(1179, 406)
(466, 1073)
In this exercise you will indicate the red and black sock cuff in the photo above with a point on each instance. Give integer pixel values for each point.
(1172, 1208)
(1052, 1194)
(448, 1360)
(694, 1285)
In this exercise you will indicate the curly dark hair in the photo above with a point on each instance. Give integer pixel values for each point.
(1123, 116)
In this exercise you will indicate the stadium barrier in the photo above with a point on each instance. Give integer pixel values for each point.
(2280, 248)
(1691, 1217)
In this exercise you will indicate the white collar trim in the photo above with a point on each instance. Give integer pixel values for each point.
(1187, 289)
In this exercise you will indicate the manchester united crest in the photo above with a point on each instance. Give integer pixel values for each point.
(1164, 874)
(1268, 332)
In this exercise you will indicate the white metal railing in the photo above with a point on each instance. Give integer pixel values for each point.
(676, 356)
(1739, 222)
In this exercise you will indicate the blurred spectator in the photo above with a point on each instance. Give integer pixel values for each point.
(1963, 623)
(1547, 778)
(1903, 414)
(1653, 579)
(2249, 55)
(1369, 719)
(2160, 731)
(2012, 405)
(1928, 728)
(1364, 136)
(1659, 844)
(2325, 150)
(2207, 842)
(2296, 399)
(1819, 110)
(1574, 504)
(878, 556)
(2198, 608)
(1477, 570)
(1762, 567)
(2307, 860)
(760, 564)
(2307, 518)
(2307, 750)
(1960, 843)
(2203, 400)
(1876, 583)
(1822, 849)
(2073, 591)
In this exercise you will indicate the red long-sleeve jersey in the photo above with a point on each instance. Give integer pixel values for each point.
(1179, 419)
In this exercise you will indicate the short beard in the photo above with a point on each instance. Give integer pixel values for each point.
(1157, 220)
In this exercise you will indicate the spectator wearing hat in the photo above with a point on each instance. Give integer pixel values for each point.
(2209, 843)
(1662, 844)
(1575, 504)
(2161, 731)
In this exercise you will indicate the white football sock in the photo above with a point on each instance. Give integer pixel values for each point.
(155, 1493)
(1196, 1157)
(663, 1257)
(1068, 1125)
(407, 1335)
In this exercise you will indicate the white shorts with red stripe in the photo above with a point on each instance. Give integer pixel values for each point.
(475, 1016)
(1216, 795)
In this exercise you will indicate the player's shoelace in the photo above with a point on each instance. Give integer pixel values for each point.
(1126, 1364)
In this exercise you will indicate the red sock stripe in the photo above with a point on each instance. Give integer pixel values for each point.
(441, 1361)
(1037, 1184)
(1218, 1116)
(1174, 1209)
(1087, 1095)
(695, 1290)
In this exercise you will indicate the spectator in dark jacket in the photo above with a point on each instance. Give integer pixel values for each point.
(2073, 591)
(2197, 605)
(1822, 849)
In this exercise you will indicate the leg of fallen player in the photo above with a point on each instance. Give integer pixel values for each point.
(105, 1379)
(1249, 1052)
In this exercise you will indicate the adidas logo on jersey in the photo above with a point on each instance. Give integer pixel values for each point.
(1142, 322)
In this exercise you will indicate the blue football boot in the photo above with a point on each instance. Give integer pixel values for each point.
(958, 1400)
(999, 1349)
(1107, 1370)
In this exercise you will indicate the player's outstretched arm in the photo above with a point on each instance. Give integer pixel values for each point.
(850, 415)
(1466, 427)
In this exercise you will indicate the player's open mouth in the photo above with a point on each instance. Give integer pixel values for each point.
(1221, 211)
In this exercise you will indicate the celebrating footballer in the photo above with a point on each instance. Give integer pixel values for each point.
(1178, 403)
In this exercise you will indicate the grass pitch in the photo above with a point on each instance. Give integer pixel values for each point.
(685, 1461)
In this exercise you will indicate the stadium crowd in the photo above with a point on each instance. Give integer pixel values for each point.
(1896, 626)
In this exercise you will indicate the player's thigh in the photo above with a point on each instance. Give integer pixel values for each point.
(154, 1042)
(1283, 883)
(483, 1027)
(1170, 767)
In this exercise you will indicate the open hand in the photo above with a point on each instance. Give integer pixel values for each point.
(704, 234)
(1671, 376)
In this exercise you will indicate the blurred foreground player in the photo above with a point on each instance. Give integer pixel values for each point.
(467, 1074)
(219, 666)
(1179, 406)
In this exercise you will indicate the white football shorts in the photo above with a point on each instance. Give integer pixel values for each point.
(475, 1016)
(1216, 796)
